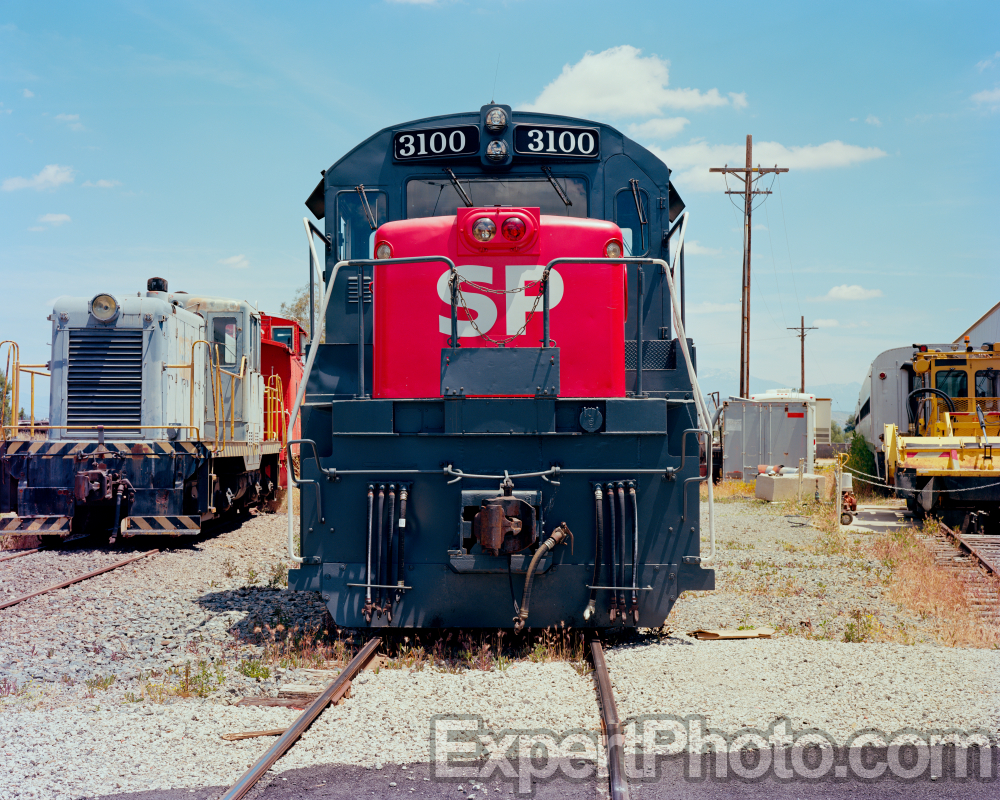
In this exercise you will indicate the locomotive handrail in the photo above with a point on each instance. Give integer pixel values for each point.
(315, 271)
(668, 269)
(199, 432)
(313, 349)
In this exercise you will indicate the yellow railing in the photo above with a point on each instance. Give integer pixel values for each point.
(12, 386)
(274, 411)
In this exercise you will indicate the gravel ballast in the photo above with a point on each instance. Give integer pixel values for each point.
(61, 738)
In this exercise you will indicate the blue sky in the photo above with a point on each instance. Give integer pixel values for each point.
(181, 140)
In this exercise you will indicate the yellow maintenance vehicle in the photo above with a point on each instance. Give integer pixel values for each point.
(943, 464)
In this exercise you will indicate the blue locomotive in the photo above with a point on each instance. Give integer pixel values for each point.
(502, 426)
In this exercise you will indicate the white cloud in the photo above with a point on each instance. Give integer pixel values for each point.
(28, 93)
(619, 82)
(47, 221)
(873, 120)
(987, 97)
(73, 120)
(853, 292)
(826, 323)
(738, 100)
(692, 161)
(760, 227)
(54, 219)
(662, 128)
(713, 308)
(853, 119)
(102, 184)
(988, 62)
(50, 177)
(236, 262)
(4, 110)
(695, 248)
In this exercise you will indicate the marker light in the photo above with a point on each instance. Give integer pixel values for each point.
(513, 228)
(383, 250)
(496, 120)
(104, 307)
(496, 150)
(484, 229)
(613, 249)
(923, 348)
(881, 376)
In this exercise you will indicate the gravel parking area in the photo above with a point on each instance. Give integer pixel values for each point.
(201, 606)
(773, 569)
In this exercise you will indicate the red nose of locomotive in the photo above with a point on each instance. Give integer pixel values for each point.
(500, 253)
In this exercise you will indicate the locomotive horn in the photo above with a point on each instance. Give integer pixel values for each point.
(156, 285)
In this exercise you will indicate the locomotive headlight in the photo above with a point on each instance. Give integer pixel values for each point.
(613, 249)
(484, 229)
(383, 250)
(104, 307)
(496, 120)
(496, 150)
(513, 229)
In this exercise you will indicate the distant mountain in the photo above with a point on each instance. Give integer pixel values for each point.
(844, 396)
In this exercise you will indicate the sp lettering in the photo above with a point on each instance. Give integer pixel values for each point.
(514, 304)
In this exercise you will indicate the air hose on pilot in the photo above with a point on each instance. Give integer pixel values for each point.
(558, 537)
(588, 612)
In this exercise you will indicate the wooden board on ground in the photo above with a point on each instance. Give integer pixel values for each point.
(724, 633)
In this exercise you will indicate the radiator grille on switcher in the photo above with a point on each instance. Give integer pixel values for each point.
(104, 379)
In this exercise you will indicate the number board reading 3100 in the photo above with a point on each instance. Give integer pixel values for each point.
(462, 140)
(550, 140)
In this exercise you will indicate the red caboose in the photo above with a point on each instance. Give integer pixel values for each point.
(283, 346)
(500, 253)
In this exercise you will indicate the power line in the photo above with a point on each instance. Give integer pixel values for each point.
(788, 248)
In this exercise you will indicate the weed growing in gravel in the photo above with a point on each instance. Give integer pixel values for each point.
(252, 576)
(864, 627)
(917, 582)
(9, 688)
(730, 491)
(277, 575)
(733, 544)
(253, 668)
(98, 683)
(229, 567)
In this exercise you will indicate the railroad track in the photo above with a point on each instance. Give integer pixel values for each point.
(975, 561)
(614, 738)
(76, 579)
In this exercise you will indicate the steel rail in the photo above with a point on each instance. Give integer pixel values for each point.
(77, 579)
(242, 787)
(21, 553)
(612, 725)
(962, 540)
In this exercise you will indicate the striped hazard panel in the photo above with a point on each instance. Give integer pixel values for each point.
(157, 526)
(34, 524)
(125, 448)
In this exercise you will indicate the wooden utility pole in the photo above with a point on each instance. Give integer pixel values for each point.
(749, 175)
(802, 335)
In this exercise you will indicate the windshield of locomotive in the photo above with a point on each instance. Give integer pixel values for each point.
(438, 197)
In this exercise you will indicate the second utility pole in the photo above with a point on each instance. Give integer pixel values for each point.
(802, 335)
(746, 174)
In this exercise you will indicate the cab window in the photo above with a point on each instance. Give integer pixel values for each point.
(282, 336)
(987, 383)
(953, 382)
(635, 232)
(438, 197)
(355, 228)
(224, 339)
